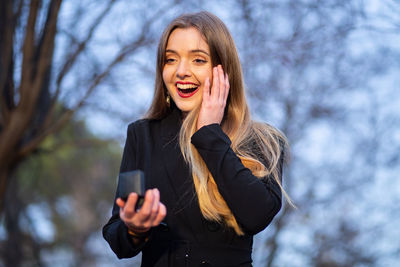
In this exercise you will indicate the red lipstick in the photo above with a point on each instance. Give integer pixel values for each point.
(185, 93)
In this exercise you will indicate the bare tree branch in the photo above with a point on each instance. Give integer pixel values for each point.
(69, 62)
(141, 41)
(71, 57)
(7, 29)
(28, 51)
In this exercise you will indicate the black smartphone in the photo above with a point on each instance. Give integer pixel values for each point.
(132, 181)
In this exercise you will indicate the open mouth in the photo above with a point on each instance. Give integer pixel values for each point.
(186, 89)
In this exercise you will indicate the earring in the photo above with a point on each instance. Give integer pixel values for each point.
(168, 100)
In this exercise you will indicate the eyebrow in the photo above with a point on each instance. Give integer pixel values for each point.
(191, 51)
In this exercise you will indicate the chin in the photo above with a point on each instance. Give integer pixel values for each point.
(186, 107)
(188, 104)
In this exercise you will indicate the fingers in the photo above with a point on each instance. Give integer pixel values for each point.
(131, 202)
(151, 213)
(214, 100)
(227, 87)
(220, 86)
(120, 203)
(221, 80)
(128, 207)
(157, 211)
(162, 212)
(155, 207)
(206, 89)
(215, 85)
(145, 211)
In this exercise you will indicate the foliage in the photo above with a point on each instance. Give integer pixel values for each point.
(64, 207)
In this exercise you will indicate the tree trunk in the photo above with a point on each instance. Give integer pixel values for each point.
(22, 123)
(12, 251)
(4, 180)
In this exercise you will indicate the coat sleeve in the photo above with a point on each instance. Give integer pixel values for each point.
(115, 231)
(254, 202)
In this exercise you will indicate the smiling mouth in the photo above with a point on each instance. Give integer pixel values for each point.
(186, 90)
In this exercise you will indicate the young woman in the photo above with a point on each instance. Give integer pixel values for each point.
(214, 174)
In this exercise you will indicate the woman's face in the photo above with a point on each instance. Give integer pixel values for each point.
(187, 65)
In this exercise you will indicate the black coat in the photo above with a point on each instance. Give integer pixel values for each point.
(189, 239)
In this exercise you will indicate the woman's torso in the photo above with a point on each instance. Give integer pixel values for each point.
(185, 238)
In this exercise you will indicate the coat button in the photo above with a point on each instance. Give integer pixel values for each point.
(204, 263)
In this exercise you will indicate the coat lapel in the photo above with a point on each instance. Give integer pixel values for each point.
(178, 171)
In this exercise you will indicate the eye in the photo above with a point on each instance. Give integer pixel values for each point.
(169, 60)
(200, 61)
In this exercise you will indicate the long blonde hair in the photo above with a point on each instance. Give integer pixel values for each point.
(259, 146)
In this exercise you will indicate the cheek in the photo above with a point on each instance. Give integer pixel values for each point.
(167, 71)
(204, 74)
(164, 75)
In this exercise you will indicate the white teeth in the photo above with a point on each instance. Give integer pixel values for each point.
(185, 86)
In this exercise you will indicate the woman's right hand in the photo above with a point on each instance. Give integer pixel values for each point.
(150, 214)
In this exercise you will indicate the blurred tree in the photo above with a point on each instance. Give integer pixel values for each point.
(312, 68)
(48, 55)
(348, 253)
(53, 58)
(57, 215)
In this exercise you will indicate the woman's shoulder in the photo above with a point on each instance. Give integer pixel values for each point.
(156, 123)
(138, 123)
(141, 125)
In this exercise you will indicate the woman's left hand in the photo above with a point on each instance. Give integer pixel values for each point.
(214, 102)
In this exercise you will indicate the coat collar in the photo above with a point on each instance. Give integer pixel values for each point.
(177, 170)
(171, 125)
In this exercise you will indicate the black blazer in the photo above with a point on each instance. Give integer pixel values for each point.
(188, 239)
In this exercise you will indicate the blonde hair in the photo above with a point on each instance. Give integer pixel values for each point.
(251, 141)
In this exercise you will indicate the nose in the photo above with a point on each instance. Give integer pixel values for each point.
(183, 70)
